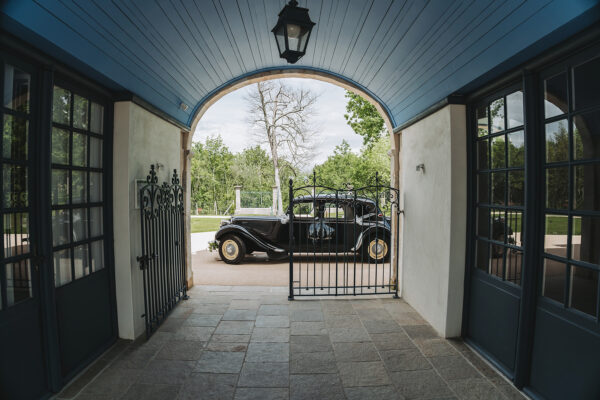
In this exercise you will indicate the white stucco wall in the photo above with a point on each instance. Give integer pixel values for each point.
(140, 139)
(434, 224)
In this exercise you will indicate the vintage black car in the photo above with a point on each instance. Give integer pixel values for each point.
(321, 224)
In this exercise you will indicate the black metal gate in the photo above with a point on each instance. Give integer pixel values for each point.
(163, 259)
(343, 241)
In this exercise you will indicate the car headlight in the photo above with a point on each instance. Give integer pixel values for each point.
(224, 222)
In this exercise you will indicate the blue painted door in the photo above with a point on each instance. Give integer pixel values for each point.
(22, 356)
(498, 176)
(566, 344)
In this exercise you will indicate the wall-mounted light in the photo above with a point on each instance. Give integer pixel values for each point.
(292, 31)
(183, 106)
(421, 167)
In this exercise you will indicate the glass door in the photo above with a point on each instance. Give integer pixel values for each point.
(567, 327)
(22, 366)
(78, 200)
(498, 204)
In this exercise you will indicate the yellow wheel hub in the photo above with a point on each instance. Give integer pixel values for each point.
(230, 249)
(378, 249)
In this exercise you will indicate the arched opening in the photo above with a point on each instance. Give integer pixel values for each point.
(274, 74)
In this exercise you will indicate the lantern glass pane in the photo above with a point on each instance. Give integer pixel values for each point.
(293, 36)
(303, 40)
(280, 37)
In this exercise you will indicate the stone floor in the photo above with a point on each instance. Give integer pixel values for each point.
(234, 342)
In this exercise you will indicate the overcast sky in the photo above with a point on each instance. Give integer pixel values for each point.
(228, 117)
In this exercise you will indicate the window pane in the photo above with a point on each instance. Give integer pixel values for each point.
(499, 227)
(97, 255)
(497, 261)
(514, 262)
(18, 282)
(557, 188)
(482, 255)
(514, 109)
(553, 285)
(516, 149)
(61, 106)
(482, 121)
(16, 234)
(60, 146)
(516, 189)
(584, 290)
(483, 194)
(586, 239)
(14, 142)
(62, 267)
(555, 95)
(82, 261)
(498, 156)
(557, 141)
(586, 136)
(497, 115)
(60, 227)
(96, 221)
(482, 155)
(586, 187)
(556, 233)
(95, 153)
(586, 84)
(60, 186)
(97, 118)
(79, 187)
(80, 112)
(498, 187)
(16, 89)
(15, 186)
(483, 222)
(95, 187)
(514, 222)
(79, 150)
(80, 224)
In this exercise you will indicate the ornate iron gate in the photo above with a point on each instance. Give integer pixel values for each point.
(343, 241)
(163, 260)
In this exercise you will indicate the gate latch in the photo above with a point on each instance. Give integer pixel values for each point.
(145, 259)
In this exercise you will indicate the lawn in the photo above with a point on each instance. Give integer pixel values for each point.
(556, 225)
(206, 224)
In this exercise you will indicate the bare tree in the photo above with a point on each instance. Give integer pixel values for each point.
(281, 118)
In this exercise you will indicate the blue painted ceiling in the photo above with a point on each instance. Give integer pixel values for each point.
(409, 54)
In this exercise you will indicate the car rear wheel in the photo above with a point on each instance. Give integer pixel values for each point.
(232, 249)
(377, 250)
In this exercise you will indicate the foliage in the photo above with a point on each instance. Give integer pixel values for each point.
(364, 119)
(346, 167)
(212, 177)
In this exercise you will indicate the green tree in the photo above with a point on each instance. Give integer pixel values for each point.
(212, 178)
(345, 167)
(364, 119)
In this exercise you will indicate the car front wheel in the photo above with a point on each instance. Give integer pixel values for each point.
(232, 249)
(378, 250)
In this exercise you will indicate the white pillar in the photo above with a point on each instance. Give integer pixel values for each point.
(238, 198)
(274, 209)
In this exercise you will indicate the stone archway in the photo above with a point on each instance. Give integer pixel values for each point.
(279, 73)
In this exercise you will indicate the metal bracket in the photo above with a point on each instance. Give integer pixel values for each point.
(145, 259)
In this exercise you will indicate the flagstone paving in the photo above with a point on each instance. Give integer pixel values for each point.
(234, 342)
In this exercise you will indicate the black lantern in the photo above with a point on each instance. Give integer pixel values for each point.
(292, 31)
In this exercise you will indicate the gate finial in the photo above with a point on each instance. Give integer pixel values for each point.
(151, 178)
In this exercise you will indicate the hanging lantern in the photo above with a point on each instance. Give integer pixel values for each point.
(292, 31)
